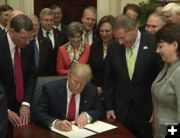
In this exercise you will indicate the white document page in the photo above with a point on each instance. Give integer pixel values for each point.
(76, 132)
(100, 126)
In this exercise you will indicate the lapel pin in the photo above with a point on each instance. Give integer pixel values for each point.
(85, 101)
(145, 47)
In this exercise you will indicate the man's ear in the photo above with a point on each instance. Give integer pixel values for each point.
(11, 30)
(175, 44)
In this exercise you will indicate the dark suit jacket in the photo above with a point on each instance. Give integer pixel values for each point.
(45, 57)
(97, 62)
(7, 73)
(52, 103)
(59, 39)
(2, 32)
(63, 29)
(3, 114)
(121, 93)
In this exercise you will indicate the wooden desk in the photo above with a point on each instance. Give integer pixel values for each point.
(34, 131)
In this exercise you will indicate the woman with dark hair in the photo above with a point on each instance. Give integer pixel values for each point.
(74, 51)
(166, 88)
(98, 50)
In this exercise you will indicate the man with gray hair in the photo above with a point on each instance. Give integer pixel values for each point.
(155, 22)
(172, 12)
(71, 99)
(18, 71)
(57, 38)
(131, 65)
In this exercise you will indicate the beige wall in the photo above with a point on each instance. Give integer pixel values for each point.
(2, 1)
(114, 7)
(104, 7)
(27, 6)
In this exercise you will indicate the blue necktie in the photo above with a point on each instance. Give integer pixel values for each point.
(36, 53)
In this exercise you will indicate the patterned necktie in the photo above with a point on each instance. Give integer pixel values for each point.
(131, 61)
(86, 39)
(72, 109)
(36, 53)
(18, 76)
(47, 35)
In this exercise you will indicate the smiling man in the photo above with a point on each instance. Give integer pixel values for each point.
(71, 99)
(89, 22)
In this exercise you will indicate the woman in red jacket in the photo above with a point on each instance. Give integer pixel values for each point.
(74, 51)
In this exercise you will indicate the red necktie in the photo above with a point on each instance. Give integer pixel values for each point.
(72, 109)
(18, 76)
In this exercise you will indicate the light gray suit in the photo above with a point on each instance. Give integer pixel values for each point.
(166, 98)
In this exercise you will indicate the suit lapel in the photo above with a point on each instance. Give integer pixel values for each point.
(123, 63)
(143, 47)
(41, 49)
(83, 101)
(6, 53)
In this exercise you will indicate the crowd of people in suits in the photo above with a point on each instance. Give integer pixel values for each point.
(114, 69)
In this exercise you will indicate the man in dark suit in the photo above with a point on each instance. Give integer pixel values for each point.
(5, 11)
(54, 103)
(128, 80)
(42, 49)
(58, 15)
(89, 18)
(3, 114)
(18, 71)
(47, 30)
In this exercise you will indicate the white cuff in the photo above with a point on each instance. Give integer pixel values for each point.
(26, 104)
(88, 117)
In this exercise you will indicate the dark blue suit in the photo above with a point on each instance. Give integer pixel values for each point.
(131, 99)
(52, 104)
(7, 73)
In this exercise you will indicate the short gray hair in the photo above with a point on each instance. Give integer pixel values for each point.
(74, 27)
(44, 12)
(161, 17)
(125, 22)
(170, 7)
(83, 70)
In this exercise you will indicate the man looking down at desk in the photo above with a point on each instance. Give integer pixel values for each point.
(66, 100)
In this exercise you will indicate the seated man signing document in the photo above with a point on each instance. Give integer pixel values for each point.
(67, 100)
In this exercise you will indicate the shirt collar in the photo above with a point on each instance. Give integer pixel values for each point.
(44, 32)
(57, 27)
(11, 43)
(2, 27)
(137, 41)
(90, 32)
(69, 93)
